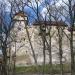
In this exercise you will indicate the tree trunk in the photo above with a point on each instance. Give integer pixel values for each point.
(43, 40)
(14, 69)
(60, 33)
(71, 40)
(72, 54)
(4, 59)
(50, 52)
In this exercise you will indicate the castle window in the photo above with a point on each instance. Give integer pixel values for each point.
(24, 39)
(19, 28)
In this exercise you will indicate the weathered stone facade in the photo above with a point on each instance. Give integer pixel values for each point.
(24, 55)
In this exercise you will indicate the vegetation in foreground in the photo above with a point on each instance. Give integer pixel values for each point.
(46, 69)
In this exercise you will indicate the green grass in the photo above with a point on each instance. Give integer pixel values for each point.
(47, 69)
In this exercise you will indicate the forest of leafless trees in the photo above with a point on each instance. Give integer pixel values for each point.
(53, 13)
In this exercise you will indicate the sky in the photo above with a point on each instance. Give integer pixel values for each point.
(31, 14)
(0, 51)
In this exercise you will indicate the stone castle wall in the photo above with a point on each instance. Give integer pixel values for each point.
(24, 53)
(21, 44)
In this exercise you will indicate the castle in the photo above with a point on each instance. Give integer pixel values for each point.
(21, 46)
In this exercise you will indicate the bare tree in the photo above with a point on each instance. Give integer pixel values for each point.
(53, 14)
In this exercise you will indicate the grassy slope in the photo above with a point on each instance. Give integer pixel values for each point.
(39, 69)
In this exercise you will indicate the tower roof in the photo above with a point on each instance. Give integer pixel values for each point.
(21, 13)
(19, 16)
